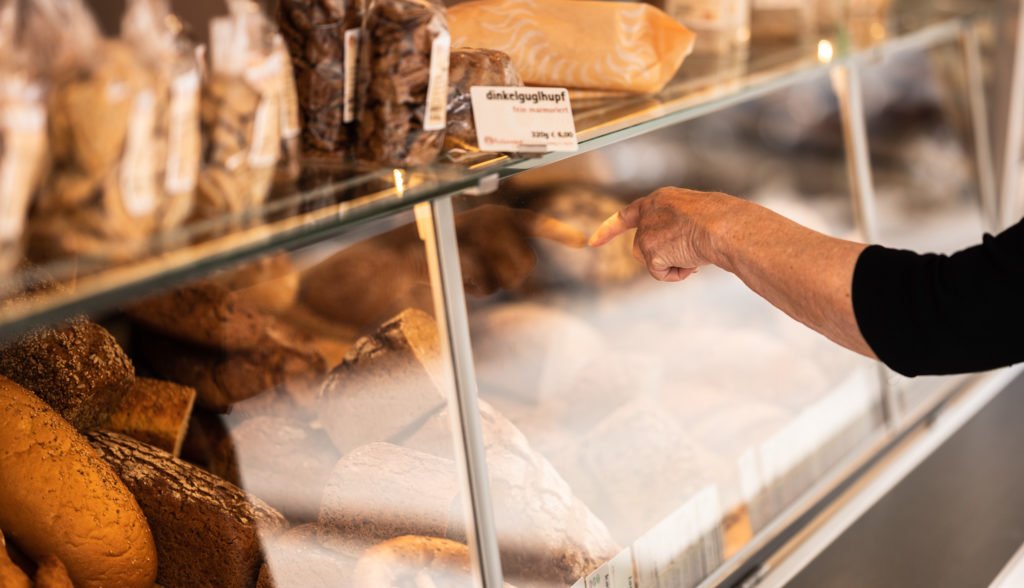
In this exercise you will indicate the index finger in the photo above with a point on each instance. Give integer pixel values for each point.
(615, 225)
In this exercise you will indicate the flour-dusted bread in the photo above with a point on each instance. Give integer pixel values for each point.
(283, 461)
(57, 497)
(207, 531)
(78, 368)
(388, 383)
(11, 576)
(296, 559)
(381, 491)
(155, 412)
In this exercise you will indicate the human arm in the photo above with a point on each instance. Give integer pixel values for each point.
(804, 273)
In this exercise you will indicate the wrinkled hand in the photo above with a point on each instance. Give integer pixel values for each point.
(672, 230)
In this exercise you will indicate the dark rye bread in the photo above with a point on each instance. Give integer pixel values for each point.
(207, 531)
(388, 383)
(297, 560)
(156, 412)
(77, 368)
(206, 314)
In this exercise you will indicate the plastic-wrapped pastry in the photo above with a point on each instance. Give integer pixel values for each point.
(101, 195)
(323, 39)
(404, 78)
(473, 67)
(156, 34)
(240, 113)
(22, 138)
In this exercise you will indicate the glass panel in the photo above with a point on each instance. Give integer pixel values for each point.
(282, 421)
(925, 172)
(329, 198)
(674, 422)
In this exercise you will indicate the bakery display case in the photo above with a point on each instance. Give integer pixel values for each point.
(278, 365)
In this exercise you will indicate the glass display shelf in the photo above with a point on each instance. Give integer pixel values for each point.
(328, 200)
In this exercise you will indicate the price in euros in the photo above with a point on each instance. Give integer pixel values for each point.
(548, 136)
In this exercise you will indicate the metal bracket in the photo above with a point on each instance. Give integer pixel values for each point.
(436, 223)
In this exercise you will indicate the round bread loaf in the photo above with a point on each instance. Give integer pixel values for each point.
(57, 497)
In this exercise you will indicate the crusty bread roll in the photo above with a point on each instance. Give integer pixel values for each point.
(11, 576)
(414, 561)
(52, 574)
(297, 560)
(77, 368)
(58, 497)
(155, 412)
(207, 530)
(388, 383)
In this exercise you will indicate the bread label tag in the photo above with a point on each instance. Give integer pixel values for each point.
(138, 165)
(436, 117)
(184, 145)
(514, 119)
(265, 147)
(351, 67)
(23, 128)
(290, 125)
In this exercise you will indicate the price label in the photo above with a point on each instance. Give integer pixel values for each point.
(523, 120)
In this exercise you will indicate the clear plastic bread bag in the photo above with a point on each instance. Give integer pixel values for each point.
(158, 38)
(472, 67)
(241, 117)
(101, 194)
(323, 41)
(403, 77)
(22, 137)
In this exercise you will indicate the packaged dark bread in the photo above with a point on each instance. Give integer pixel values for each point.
(472, 67)
(404, 79)
(323, 41)
(155, 412)
(78, 368)
(207, 531)
(59, 498)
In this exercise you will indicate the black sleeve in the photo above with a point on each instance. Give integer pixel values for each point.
(938, 314)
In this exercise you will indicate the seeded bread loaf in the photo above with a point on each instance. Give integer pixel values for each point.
(155, 412)
(57, 497)
(78, 368)
(207, 531)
